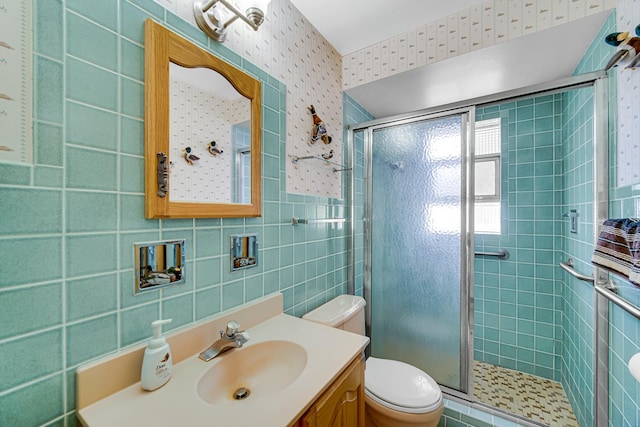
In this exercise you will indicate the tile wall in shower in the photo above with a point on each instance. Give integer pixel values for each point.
(578, 314)
(578, 180)
(517, 304)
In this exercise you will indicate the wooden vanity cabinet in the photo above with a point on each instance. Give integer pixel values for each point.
(342, 404)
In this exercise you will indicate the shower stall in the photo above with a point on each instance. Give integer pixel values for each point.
(468, 305)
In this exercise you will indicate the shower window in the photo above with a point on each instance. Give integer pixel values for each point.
(487, 176)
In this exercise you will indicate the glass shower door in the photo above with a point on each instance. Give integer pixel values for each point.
(417, 236)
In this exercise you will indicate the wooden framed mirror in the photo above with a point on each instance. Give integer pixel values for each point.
(200, 114)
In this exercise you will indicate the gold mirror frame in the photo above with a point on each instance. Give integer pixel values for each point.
(163, 46)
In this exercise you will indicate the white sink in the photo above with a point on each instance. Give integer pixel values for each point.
(285, 365)
(252, 372)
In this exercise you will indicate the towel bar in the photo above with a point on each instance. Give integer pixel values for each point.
(342, 168)
(604, 288)
(623, 303)
(296, 221)
(568, 267)
(500, 253)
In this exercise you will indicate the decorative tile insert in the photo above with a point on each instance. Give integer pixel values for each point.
(535, 398)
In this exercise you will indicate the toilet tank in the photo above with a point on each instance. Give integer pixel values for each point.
(343, 312)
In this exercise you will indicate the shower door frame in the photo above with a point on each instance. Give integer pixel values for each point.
(467, 116)
(599, 81)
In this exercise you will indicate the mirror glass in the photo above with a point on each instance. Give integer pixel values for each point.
(159, 264)
(213, 119)
(203, 125)
(242, 172)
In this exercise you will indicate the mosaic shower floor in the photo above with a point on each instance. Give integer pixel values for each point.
(538, 399)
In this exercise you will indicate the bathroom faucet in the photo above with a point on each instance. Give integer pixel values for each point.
(230, 338)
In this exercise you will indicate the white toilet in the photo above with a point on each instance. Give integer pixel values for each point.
(396, 394)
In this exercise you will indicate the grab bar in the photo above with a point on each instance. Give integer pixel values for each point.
(568, 267)
(296, 221)
(604, 288)
(608, 293)
(500, 253)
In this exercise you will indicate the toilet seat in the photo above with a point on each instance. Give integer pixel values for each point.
(400, 386)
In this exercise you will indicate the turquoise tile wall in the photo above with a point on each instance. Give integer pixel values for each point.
(624, 336)
(578, 314)
(69, 221)
(577, 357)
(517, 306)
(354, 114)
(457, 414)
(624, 330)
(578, 351)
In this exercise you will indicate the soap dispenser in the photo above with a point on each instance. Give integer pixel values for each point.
(157, 364)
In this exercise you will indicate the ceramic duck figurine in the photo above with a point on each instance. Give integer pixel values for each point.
(628, 52)
(189, 157)
(213, 149)
(319, 128)
(635, 62)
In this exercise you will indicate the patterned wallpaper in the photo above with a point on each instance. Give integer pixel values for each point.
(15, 81)
(289, 48)
(194, 125)
(628, 81)
(485, 24)
(320, 74)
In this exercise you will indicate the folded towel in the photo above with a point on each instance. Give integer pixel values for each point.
(618, 248)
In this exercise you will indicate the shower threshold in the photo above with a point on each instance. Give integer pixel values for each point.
(534, 398)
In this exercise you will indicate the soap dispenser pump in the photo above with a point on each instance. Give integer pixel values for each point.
(157, 364)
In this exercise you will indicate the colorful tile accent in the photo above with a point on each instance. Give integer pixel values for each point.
(537, 399)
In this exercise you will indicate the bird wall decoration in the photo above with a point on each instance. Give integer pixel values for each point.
(319, 128)
(213, 149)
(190, 157)
(629, 49)
(328, 155)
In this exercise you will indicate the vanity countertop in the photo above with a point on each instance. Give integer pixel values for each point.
(328, 350)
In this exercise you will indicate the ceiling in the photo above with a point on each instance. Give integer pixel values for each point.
(352, 25)
(540, 57)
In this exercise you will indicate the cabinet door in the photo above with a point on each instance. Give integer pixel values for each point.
(342, 405)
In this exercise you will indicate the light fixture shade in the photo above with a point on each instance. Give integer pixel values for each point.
(259, 4)
(256, 11)
(214, 16)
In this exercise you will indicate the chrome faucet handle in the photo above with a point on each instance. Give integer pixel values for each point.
(232, 329)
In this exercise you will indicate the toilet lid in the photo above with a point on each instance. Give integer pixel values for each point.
(401, 385)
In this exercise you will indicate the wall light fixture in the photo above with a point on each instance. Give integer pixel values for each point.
(214, 19)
